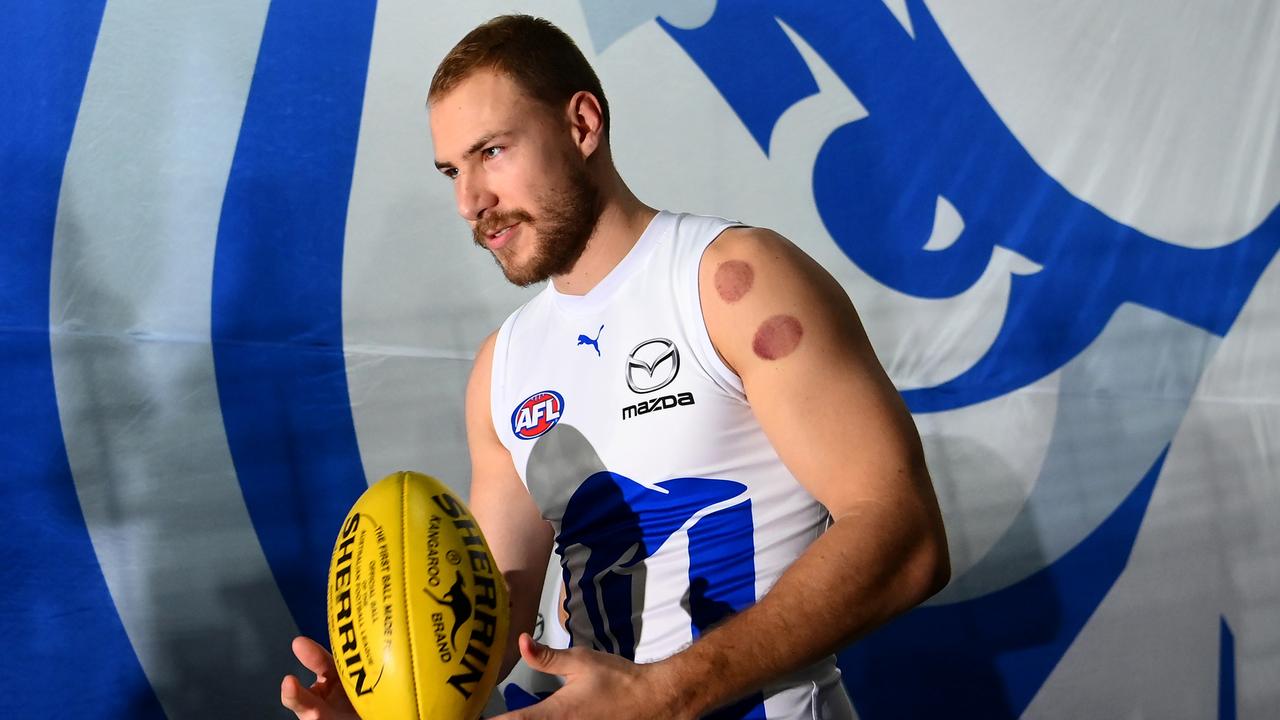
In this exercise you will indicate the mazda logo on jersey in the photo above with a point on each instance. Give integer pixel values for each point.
(652, 365)
(537, 414)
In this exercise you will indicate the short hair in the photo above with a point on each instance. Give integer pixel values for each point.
(538, 56)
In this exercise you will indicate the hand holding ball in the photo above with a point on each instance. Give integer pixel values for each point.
(418, 611)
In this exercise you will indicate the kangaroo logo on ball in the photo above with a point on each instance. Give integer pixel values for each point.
(457, 601)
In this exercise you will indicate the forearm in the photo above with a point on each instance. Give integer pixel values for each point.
(525, 592)
(868, 567)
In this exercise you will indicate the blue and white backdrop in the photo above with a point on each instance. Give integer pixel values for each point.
(233, 290)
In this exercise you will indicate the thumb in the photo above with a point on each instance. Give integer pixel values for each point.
(305, 704)
(542, 658)
(315, 658)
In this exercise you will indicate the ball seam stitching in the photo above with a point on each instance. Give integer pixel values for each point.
(404, 589)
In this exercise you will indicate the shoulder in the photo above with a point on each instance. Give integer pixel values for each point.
(748, 268)
(746, 259)
(754, 278)
(481, 373)
(749, 240)
(484, 353)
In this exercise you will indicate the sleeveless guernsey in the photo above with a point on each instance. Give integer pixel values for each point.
(670, 507)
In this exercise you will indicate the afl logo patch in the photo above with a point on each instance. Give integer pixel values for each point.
(537, 414)
(652, 365)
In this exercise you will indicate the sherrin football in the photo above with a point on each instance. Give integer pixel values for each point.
(418, 612)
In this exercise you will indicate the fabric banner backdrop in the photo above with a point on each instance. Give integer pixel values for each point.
(233, 291)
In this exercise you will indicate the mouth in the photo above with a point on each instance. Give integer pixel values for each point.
(500, 237)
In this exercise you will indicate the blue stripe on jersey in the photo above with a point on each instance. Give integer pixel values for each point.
(722, 567)
(722, 581)
(622, 523)
(57, 616)
(277, 292)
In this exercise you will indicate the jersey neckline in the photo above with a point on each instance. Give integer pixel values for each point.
(599, 296)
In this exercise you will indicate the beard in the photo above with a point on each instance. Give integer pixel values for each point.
(566, 218)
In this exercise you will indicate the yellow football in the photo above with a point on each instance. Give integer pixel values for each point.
(418, 611)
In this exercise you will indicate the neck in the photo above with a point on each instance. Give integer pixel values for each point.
(623, 219)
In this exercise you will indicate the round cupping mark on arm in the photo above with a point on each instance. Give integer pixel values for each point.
(777, 337)
(733, 280)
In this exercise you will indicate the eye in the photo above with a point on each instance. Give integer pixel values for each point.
(451, 173)
(492, 152)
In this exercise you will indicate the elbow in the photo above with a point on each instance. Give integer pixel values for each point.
(933, 557)
(939, 568)
(937, 563)
(930, 566)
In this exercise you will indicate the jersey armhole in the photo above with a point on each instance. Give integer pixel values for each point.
(699, 336)
(498, 380)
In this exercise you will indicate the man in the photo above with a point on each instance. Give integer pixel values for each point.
(690, 413)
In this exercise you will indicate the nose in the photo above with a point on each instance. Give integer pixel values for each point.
(473, 195)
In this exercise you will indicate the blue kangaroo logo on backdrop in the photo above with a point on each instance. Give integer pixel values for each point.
(932, 136)
(931, 139)
(929, 136)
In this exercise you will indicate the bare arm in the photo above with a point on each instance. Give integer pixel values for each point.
(518, 536)
(814, 383)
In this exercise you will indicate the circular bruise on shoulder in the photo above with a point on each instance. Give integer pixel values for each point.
(777, 337)
(734, 279)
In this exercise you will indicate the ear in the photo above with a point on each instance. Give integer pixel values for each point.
(586, 122)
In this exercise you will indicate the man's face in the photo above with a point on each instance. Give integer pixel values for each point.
(519, 180)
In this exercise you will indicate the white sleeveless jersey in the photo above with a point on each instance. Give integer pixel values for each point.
(671, 508)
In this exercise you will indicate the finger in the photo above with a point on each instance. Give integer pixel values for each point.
(301, 701)
(542, 658)
(315, 658)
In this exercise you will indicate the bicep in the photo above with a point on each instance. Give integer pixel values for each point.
(812, 378)
(518, 536)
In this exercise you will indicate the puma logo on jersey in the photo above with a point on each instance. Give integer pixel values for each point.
(537, 414)
(593, 342)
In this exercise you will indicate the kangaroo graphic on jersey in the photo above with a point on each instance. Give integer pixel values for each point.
(456, 600)
(584, 340)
